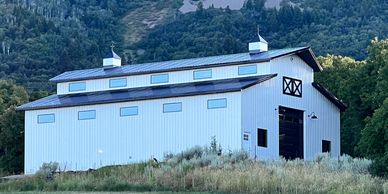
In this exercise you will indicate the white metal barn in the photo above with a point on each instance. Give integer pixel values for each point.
(265, 102)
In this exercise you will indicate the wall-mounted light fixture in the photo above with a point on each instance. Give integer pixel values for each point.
(313, 116)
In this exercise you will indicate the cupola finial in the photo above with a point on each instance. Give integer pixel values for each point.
(112, 45)
(259, 46)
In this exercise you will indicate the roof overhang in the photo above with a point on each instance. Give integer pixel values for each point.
(308, 56)
(337, 102)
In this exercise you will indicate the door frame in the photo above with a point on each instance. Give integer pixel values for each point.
(280, 107)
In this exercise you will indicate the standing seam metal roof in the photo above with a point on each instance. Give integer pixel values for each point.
(304, 52)
(146, 93)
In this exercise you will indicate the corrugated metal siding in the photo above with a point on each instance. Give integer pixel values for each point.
(174, 78)
(111, 139)
(260, 110)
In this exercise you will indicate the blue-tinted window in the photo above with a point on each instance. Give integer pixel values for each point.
(79, 86)
(157, 79)
(119, 82)
(172, 107)
(216, 103)
(86, 115)
(129, 111)
(46, 118)
(202, 74)
(247, 69)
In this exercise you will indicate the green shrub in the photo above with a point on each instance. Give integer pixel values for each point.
(199, 169)
(47, 170)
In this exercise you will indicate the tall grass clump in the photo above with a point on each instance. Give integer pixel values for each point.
(209, 169)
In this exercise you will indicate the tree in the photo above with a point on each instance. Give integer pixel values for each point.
(11, 127)
(11, 141)
(374, 137)
(374, 140)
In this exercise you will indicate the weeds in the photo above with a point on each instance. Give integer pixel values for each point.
(206, 169)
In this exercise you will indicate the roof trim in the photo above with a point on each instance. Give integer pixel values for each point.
(253, 80)
(330, 96)
(305, 53)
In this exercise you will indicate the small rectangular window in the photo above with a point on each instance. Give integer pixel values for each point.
(262, 137)
(129, 111)
(202, 74)
(172, 107)
(247, 69)
(217, 103)
(326, 146)
(86, 115)
(46, 118)
(75, 87)
(161, 78)
(117, 83)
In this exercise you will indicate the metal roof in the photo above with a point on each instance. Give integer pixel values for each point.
(146, 93)
(337, 102)
(232, 59)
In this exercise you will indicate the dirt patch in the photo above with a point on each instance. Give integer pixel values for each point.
(139, 21)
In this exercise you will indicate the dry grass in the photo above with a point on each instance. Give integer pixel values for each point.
(202, 170)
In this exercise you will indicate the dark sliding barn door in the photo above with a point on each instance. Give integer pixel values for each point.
(290, 133)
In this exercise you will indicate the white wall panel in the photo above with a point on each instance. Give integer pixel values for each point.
(174, 78)
(111, 139)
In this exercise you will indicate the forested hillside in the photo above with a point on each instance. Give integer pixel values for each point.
(40, 39)
(335, 27)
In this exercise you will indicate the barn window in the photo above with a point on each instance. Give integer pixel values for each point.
(292, 87)
(202, 74)
(326, 146)
(247, 69)
(119, 82)
(261, 137)
(246, 137)
(86, 115)
(172, 107)
(129, 111)
(217, 103)
(158, 79)
(75, 87)
(46, 118)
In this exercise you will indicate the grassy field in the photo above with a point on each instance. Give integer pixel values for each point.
(73, 192)
(204, 170)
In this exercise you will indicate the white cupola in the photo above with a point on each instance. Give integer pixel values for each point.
(259, 46)
(111, 60)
